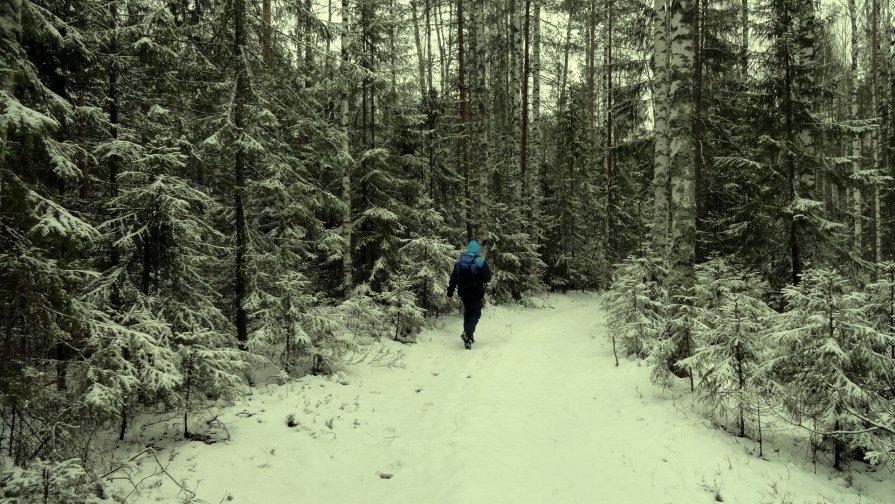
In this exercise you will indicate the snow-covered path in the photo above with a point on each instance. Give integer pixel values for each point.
(536, 412)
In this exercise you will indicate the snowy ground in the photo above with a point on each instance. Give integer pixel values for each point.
(536, 412)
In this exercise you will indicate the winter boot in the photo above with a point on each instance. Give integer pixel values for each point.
(466, 341)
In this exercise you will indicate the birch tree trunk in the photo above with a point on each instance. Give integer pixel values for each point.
(744, 44)
(855, 153)
(346, 160)
(682, 236)
(536, 154)
(660, 113)
(439, 25)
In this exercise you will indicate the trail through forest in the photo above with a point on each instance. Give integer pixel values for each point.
(535, 412)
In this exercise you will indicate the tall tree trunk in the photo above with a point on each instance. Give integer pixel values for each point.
(309, 43)
(536, 153)
(439, 26)
(697, 114)
(240, 56)
(347, 162)
(464, 122)
(660, 112)
(682, 236)
(419, 50)
(523, 137)
(516, 100)
(857, 248)
(744, 43)
(878, 106)
(610, 168)
(429, 59)
(563, 93)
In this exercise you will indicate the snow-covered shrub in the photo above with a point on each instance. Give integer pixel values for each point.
(830, 361)
(48, 482)
(401, 310)
(634, 306)
(512, 254)
(730, 349)
(426, 263)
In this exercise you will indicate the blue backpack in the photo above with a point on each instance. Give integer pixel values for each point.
(468, 270)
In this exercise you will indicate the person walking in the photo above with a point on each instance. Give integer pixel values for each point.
(468, 278)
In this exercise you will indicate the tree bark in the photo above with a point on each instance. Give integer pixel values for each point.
(660, 112)
(346, 160)
(682, 250)
(744, 43)
(240, 161)
(536, 153)
(610, 168)
(697, 113)
(878, 105)
(857, 247)
(516, 99)
(464, 122)
(523, 137)
(421, 60)
(563, 98)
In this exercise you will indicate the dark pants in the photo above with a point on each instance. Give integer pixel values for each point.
(472, 312)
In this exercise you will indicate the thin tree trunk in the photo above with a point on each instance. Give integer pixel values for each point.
(877, 103)
(329, 21)
(346, 160)
(563, 98)
(240, 162)
(536, 110)
(523, 140)
(464, 122)
(744, 44)
(516, 98)
(309, 44)
(697, 114)
(609, 125)
(429, 59)
(660, 112)
(419, 50)
(439, 25)
(855, 153)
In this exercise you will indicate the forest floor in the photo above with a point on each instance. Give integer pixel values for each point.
(536, 412)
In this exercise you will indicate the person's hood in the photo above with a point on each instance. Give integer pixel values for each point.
(473, 248)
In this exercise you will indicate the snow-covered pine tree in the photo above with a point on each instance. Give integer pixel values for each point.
(43, 239)
(829, 361)
(730, 341)
(635, 308)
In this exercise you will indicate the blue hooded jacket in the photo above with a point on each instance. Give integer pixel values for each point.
(482, 274)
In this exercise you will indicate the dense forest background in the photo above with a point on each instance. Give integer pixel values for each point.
(190, 188)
